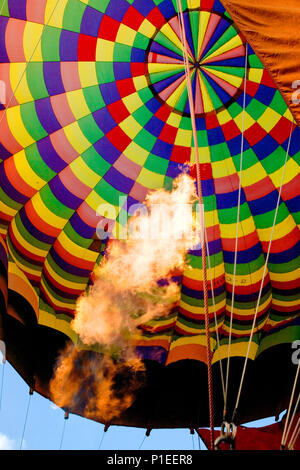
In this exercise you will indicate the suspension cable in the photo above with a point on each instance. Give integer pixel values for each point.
(141, 444)
(285, 433)
(237, 230)
(26, 418)
(101, 440)
(216, 320)
(199, 442)
(263, 276)
(292, 418)
(295, 435)
(203, 238)
(193, 443)
(66, 417)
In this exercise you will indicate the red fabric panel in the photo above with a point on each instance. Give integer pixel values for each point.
(265, 438)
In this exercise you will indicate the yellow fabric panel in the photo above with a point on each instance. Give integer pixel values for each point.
(204, 155)
(150, 179)
(140, 83)
(231, 44)
(17, 127)
(54, 12)
(26, 172)
(147, 29)
(184, 137)
(75, 136)
(51, 218)
(62, 280)
(176, 95)
(280, 230)
(75, 249)
(28, 246)
(268, 119)
(104, 51)
(132, 102)
(130, 126)
(195, 339)
(61, 324)
(87, 74)
(236, 349)
(77, 103)
(136, 153)
(291, 169)
(102, 207)
(32, 42)
(125, 35)
(18, 83)
(84, 173)
(200, 310)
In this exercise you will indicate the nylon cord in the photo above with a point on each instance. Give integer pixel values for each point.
(199, 443)
(284, 435)
(25, 422)
(62, 434)
(216, 321)
(263, 276)
(292, 419)
(294, 435)
(237, 231)
(203, 237)
(101, 441)
(141, 444)
(199, 191)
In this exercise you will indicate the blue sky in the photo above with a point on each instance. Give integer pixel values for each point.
(44, 425)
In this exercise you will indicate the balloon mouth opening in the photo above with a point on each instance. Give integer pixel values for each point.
(172, 396)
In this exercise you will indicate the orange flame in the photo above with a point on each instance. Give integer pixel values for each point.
(95, 386)
(125, 295)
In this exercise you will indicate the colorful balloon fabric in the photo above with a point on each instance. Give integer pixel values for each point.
(97, 108)
(275, 40)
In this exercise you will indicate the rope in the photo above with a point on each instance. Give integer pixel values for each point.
(216, 321)
(2, 382)
(62, 435)
(292, 419)
(25, 423)
(27, 63)
(237, 230)
(203, 238)
(141, 444)
(294, 435)
(263, 278)
(285, 434)
(101, 441)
